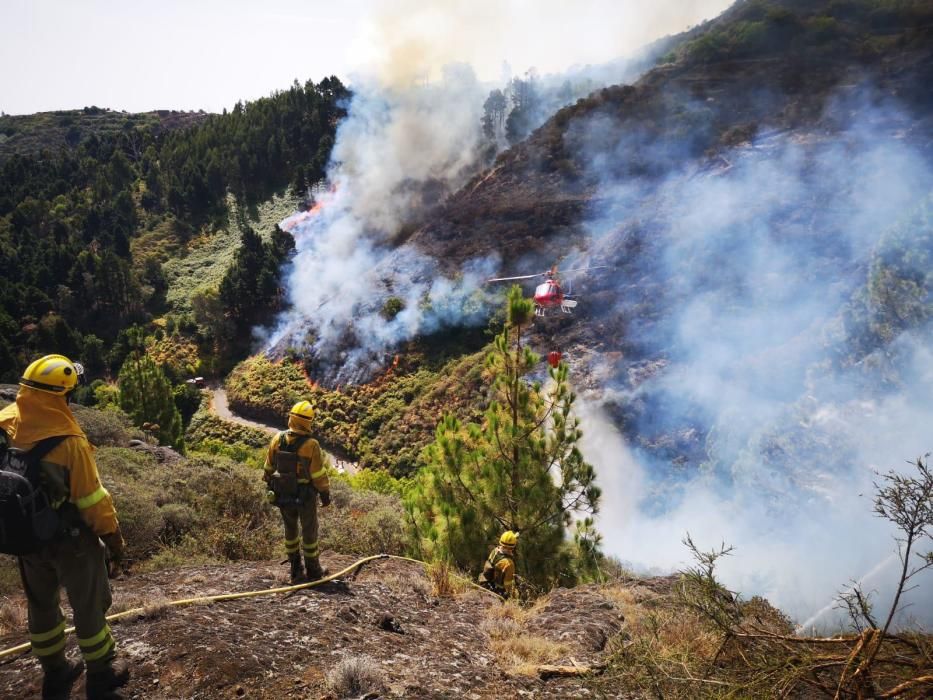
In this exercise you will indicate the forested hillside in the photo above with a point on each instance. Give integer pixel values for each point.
(746, 232)
(72, 215)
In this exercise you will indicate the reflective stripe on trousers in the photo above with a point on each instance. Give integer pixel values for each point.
(75, 563)
(305, 516)
(49, 642)
(98, 646)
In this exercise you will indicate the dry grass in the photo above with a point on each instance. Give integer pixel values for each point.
(521, 655)
(354, 676)
(12, 616)
(156, 608)
(519, 652)
(671, 649)
(446, 581)
(418, 584)
(513, 611)
(150, 608)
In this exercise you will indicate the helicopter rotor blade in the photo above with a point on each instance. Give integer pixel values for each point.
(586, 269)
(520, 277)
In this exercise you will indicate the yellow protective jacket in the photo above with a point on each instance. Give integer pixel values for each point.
(69, 472)
(310, 461)
(499, 572)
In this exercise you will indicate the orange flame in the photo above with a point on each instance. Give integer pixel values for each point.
(311, 383)
(300, 217)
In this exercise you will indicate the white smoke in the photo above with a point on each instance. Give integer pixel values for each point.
(410, 40)
(756, 262)
(413, 135)
(394, 150)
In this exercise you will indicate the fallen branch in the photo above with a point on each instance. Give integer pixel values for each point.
(547, 671)
(923, 682)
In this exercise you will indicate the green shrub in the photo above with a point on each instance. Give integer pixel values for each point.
(244, 454)
(187, 400)
(362, 522)
(106, 395)
(383, 425)
(391, 308)
(136, 499)
(266, 389)
(205, 427)
(178, 520)
(379, 481)
(198, 509)
(107, 427)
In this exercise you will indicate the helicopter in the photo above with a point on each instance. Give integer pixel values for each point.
(549, 295)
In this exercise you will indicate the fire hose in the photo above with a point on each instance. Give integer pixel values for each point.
(20, 648)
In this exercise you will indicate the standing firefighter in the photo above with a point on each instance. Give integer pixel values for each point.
(499, 571)
(65, 512)
(295, 475)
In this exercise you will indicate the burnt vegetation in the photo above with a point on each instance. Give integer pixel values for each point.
(761, 66)
(703, 640)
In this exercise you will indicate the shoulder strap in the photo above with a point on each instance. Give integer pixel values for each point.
(302, 439)
(43, 447)
(38, 451)
(299, 441)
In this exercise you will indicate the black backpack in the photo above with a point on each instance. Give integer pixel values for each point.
(285, 479)
(27, 519)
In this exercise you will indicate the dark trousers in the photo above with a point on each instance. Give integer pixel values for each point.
(77, 564)
(305, 514)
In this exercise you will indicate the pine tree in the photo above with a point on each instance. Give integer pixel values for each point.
(146, 395)
(519, 470)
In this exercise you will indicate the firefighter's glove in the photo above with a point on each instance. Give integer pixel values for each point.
(115, 550)
(325, 498)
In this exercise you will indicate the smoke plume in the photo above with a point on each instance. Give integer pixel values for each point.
(412, 136)
(397, 153)
(775, 367)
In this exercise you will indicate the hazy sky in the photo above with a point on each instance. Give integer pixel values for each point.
(191, 54)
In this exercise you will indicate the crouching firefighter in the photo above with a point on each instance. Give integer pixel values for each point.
(499, 571)
(54, 512)
(295, 476)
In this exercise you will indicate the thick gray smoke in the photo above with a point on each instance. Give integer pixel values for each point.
(765, 387)
(412, 135)
(397, 153)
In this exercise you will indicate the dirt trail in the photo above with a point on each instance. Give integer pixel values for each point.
(220, 406)
(283, 646)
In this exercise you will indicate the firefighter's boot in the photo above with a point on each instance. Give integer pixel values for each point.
(104, 683)
(298, 575)
(58, 679)
(313, 567)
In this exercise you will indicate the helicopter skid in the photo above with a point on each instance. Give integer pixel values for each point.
(565, 306)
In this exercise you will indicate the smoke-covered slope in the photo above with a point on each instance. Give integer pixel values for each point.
(761, 336)
(760, 67)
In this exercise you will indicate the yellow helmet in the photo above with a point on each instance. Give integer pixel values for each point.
(303, 409)
(509, 539)
(53, 374)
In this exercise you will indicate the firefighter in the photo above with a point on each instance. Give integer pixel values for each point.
(75, 559)
(296, 476)
(499, 571)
